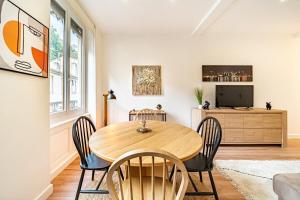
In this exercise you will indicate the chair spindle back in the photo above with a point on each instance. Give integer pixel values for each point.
(211, 133)
(82, 129)
(139, 155)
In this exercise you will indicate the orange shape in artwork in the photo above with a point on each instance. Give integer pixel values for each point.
(41, 58)
(11, 32)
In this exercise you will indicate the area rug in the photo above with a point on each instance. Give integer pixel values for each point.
(253, 178)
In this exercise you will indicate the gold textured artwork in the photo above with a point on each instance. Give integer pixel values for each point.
(146, 80)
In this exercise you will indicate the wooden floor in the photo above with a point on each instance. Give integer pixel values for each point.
(65, 184)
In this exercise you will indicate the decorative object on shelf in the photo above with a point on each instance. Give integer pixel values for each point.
(143, 129)
(24, 42)
(268, 106)
(107, 96)
(227, 73)
(199, 96)
(146, 80)
(158, 107)
(206, 105)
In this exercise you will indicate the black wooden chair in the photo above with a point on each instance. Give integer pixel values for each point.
(81, 131)
(211, 133)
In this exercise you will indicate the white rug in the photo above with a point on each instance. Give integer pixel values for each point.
(253, 178)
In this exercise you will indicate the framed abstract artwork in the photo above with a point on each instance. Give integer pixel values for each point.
(24, 41)
(227, 73)
(146, 80)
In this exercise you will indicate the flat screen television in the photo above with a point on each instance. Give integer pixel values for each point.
(234, 96)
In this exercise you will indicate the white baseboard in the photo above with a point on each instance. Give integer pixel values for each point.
(294, 136)
(45, 193)
(67, 161)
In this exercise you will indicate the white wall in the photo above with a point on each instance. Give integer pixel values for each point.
(274, 58)
(24, 126)
(62, 148)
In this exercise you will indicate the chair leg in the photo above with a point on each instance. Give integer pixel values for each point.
(101, 180)
(213, 185)
(200, 175)
(193, 184)
(93, 175)
(172, 172)
(121, 173)
(80, 184)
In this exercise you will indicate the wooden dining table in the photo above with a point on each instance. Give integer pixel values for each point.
(116, 139)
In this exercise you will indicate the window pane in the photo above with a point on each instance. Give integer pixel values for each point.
(57, 27)
(75, 80)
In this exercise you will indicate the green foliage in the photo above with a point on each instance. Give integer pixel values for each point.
(56, 44)
(199, 95)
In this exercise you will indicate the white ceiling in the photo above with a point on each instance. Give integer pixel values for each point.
(260, 16)
(187, 17)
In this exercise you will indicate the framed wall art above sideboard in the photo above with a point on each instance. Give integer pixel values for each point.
(227, 73)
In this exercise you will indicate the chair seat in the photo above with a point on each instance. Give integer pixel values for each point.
(197, 163)
(95, 163)
(147, 188)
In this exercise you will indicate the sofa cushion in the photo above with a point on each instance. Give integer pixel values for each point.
(287, 186)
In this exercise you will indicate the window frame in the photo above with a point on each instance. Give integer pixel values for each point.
(83, 69)
(67, 113)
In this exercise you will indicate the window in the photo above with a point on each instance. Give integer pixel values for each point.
(57, 38)
(75, 66)
(66, 62)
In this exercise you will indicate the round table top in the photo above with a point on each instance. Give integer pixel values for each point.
(114, 140)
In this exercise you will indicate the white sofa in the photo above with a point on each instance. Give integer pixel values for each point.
(287, 186)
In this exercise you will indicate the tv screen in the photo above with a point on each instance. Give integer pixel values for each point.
(234, 96)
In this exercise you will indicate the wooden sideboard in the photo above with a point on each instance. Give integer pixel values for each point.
(254, 126)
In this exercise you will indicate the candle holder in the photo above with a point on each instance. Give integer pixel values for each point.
(143, 129)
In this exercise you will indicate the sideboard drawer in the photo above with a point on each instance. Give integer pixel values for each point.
(262, 121)
(273, 121)
(233, 135)
(263, 135)
(233, 121)
(273, 135)
(254, 135)
(219, 117)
